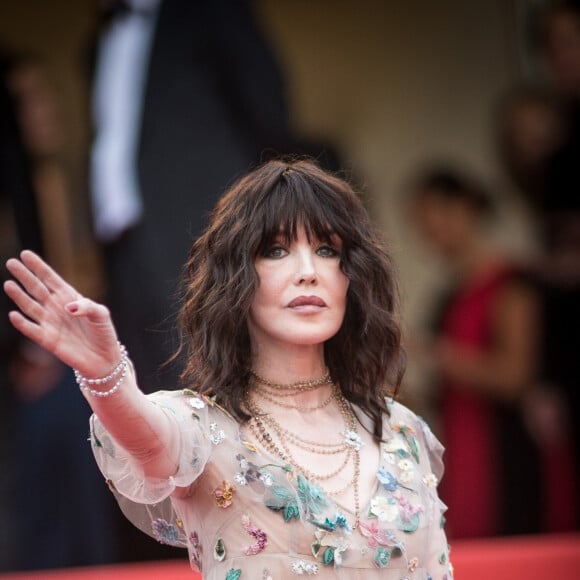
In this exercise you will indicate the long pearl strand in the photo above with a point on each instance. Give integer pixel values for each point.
(276, 439)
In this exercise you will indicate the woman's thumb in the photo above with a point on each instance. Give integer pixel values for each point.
(83, 307)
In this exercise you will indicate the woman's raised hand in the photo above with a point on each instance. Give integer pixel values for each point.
(54, 315)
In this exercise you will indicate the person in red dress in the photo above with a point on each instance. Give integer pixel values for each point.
(485, 355)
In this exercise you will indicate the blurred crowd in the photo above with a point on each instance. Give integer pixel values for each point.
(185, 97)
(503, 340)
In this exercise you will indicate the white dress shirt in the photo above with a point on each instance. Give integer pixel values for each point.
(122, 65)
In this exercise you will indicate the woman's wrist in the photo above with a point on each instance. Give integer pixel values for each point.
(108, 384)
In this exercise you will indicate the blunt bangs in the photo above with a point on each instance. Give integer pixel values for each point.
(294, 203)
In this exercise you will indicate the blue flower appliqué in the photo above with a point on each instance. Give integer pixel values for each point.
(164, 532)
(387, 479)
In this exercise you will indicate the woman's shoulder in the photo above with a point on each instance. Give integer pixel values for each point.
(398, 412)
(404, 423)
(192, 403)
(402, 416)
(192, 410)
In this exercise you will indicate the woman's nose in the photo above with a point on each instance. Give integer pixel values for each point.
(305, 269)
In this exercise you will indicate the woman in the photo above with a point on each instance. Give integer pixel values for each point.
(485, 354)
(286, 458)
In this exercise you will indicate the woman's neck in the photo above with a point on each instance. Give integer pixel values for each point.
(289, 363)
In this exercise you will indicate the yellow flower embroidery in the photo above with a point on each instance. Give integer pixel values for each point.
(224, 494)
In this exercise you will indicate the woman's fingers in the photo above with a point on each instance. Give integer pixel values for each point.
(28, 328)
(55, 316)
(27, 305)
(79, 308)
(28, 280)
(44, 272)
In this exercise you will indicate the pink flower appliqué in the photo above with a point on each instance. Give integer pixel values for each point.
(257, 533)
(224, 494)
(375, 536)
(407, 507)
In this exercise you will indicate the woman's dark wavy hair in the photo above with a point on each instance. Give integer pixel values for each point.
(365, 357)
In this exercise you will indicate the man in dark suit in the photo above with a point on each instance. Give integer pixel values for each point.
(212, 103)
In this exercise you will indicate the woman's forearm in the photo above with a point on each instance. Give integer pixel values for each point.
(140, 426)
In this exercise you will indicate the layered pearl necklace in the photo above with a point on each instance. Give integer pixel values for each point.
(276, 439)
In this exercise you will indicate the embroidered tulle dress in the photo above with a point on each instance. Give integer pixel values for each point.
(246, 515)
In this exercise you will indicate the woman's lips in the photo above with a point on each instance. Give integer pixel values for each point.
(306, 301)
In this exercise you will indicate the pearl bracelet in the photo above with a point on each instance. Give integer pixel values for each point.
(119, 371)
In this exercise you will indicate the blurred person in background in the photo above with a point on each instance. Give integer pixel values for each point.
(49, 418)
(19, 224)
(532, 128)
(44, 135)
(540, 143)
(540, 130)
(483, 353)
(560, 270)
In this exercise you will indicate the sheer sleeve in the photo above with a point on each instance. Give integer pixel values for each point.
(438, 556)
(189, 419)
(414, 468)
(145, 500)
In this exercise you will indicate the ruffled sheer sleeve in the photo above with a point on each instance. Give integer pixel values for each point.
(434, 449)
(412, 438)
(188, 414)
(145, 500)
(438, 555)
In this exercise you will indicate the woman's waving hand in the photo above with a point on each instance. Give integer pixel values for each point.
(80, 333)
(55, 316)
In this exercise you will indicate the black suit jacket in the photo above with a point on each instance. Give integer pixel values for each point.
(214, 102)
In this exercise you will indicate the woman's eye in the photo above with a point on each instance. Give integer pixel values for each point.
(275, 252)
(327, 252)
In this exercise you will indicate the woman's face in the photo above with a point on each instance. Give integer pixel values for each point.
(446, 225)
(301, 298)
